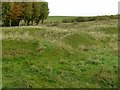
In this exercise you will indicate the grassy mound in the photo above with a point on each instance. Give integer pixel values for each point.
(75, 40)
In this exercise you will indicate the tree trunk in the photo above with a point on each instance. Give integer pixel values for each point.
(42, 21)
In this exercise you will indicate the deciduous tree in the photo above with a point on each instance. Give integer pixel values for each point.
(27, 12)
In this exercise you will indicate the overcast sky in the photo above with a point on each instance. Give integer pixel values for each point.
(82, 7)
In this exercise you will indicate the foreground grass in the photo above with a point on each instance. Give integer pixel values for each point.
(77, 56)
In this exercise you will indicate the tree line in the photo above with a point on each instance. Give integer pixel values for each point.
(30, 12)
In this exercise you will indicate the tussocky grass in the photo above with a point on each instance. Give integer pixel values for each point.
(58, 57)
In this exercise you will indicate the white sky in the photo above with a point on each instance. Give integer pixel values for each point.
(82, 7)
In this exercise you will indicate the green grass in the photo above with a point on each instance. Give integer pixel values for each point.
(109, 30)
(76, 40)
(58, 18)
(69, 19)
(79, 56)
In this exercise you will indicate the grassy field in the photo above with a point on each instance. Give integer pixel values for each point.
(72, 55)
(57, 18)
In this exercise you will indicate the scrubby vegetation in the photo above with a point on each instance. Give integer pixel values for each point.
(65, 55)
(84, 19)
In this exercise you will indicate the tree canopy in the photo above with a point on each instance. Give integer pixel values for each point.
(14, 12)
